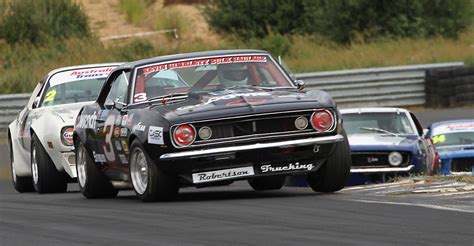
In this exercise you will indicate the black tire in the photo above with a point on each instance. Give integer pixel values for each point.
(92, 183)
(333, 175)
(21, 184)
(267, 183)
(47, 178)
(159, 186)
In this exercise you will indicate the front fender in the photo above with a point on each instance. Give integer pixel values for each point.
(21, 157)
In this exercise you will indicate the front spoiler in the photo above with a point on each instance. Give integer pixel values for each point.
(282, 144)
(382, 169)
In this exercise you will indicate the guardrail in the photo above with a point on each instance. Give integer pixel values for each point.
(388, 86)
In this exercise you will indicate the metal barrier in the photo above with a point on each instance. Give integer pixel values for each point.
(373, 87)
(388, 86)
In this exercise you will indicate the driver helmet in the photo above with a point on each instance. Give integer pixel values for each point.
(232, 74)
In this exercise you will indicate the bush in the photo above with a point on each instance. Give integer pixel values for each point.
(341, 20)
(37, 21)
(249, 19)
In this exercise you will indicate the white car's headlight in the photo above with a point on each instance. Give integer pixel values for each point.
(395, 158)
(66, 135)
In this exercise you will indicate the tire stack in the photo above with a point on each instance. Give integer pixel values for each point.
(449, 87)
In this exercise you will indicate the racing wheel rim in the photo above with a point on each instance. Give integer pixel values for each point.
(81, 166)
(139, 171)
(34, 165)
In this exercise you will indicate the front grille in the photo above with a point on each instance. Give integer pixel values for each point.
(263, 126)
(376, 159)
(462, 164)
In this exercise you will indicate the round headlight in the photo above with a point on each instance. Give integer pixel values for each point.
(301, 123)
(322, 120)
(184, 135)
(395, 158)
(205, 132)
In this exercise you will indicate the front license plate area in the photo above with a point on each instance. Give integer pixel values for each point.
(224, 174)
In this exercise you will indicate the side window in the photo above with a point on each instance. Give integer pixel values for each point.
(119, 88)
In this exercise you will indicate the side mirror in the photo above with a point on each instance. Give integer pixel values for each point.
(425, 132)
(299, 84)
(36, 102)
(109, 104)
(119, 105)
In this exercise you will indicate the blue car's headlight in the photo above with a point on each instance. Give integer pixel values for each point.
(395, 158)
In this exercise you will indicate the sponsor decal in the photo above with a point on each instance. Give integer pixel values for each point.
(155, 135)
(123, 159)
(289, 167)
(372, 159)
(67, 135)
(454, 127)
(204, 62)
(123, 132)
(118, 146)
(79, 74)
(124, 120)
(124, 145)
(87, 121)
(222, 174)
(117, 132)
(99, 157)
(139, 127)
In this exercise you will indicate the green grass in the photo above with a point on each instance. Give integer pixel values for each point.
(134, 9)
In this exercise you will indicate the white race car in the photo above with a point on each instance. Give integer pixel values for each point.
(40, 138)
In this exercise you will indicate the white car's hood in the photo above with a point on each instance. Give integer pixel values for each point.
(67, 112)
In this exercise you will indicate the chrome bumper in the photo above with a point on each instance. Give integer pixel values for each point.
(382, 169)
(283, 144)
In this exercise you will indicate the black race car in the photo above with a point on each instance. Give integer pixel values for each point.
(205, 119)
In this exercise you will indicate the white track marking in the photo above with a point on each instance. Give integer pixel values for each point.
(418, 205)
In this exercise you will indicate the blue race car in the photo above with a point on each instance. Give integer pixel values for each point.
(454, 141)
(387, 141)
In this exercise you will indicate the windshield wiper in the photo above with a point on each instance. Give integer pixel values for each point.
(259, 87)
(373, 129)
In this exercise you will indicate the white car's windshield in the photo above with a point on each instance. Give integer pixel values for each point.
(72, 86)
(207, 74)
(377, 123)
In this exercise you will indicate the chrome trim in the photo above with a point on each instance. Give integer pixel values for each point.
(382, 170)
(290, 143)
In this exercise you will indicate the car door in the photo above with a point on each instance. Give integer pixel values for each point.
(110, 133)
(28, 115)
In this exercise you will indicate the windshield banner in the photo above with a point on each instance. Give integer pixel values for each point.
(454, 127)
(80, 74)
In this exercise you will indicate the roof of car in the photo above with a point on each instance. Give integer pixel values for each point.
(189, 55)
(372, 110)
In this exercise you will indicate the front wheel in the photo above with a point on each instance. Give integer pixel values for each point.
(46, 178)
(149, 181)
(92, 183)
(333, 175)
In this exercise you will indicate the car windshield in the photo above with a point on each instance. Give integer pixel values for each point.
(208, 74)
(454, 133)
(377, 122)
(456, 138)
(72, 86)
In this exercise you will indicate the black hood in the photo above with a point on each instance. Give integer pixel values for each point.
(236, 102)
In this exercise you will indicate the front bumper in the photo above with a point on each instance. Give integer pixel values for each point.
(291, 157)
(224, 150)
(383, 169)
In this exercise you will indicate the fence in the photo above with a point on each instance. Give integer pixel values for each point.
(389, 86)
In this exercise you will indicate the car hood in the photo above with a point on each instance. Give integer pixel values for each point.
(457, 151)
(375, 141)
(227, 103)
(67, 112)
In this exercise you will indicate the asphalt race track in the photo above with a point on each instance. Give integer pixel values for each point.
(237, 215)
